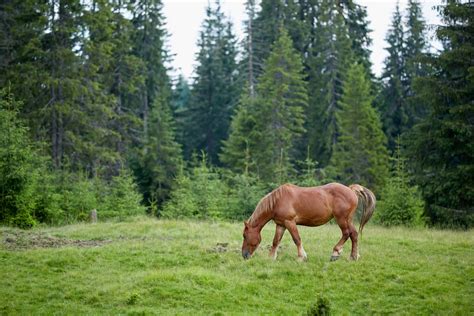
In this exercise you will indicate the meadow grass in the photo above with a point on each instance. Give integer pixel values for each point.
(163, 267)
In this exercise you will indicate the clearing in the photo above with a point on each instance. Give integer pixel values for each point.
(147, 266)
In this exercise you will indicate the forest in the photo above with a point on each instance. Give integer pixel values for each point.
(92, 119)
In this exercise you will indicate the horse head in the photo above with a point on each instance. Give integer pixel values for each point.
(252, 239)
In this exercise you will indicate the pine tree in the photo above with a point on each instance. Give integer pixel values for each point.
(215, 89)
(441, 149)
(148, 39)
(125, 79)
(360, 155)
(359, 33)
(98, 154)
(401, 202)
(328, 61)
(394, 107)
(415, 48)
(238, 149)
(181, 97)
(158, 155)
(249, 66)
(268, 125)
(272, 16)
(157, 163)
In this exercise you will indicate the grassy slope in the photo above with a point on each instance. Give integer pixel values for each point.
(172, 267)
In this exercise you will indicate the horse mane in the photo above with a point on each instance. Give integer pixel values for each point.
(268, 202)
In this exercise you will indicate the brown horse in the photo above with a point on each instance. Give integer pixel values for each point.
(290, 205)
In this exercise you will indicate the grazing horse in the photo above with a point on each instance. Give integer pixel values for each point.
(290, 205)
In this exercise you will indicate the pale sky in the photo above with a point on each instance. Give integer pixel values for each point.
(184, 19)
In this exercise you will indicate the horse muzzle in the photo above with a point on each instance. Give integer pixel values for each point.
(246, 254)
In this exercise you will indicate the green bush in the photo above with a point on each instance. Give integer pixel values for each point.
(201, 194)
(17, 161)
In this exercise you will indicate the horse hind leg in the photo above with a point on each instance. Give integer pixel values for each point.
(337, 250)
(354, 238)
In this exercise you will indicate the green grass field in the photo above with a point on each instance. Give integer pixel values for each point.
(147, 266)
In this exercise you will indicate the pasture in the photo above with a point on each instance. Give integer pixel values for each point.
(147, 266)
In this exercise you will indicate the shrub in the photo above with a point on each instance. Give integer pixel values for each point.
(17, 161)
(202, 194)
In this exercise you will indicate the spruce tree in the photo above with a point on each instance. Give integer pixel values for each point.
(98, 156)
(148, 40)
(158, 161)
(441, 149)
(125, 80)
(360, 155)
(393, 104)
(328, 61)
(158, 155)
(269, 125)
(215, 89)
(415, 48)
(401, 203)
(181, 96)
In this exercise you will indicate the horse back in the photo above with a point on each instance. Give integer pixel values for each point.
(314, 206)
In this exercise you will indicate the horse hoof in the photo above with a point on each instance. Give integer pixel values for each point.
(355, 258)
(302, 259)
(334, 258)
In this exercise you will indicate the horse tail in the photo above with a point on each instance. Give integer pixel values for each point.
(367, 200)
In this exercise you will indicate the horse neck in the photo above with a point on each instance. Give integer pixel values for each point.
(261, 220)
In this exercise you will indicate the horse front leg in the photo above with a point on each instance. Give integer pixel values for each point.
(291, 226)
(280, 230)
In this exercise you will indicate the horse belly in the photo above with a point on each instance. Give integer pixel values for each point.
(313, 211)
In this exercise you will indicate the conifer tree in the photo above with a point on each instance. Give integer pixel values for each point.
(126, 78)
(181, 96)
(441, 149)
(160, 156)
(215, 89)
(394, 107)
(98, 156)
(360, 155)
(359, 32)
(158, 153)
(249, 66)
(272, 16)
(237, 152)
(415, 48)
(148, 45)
(328, 61)
(401, 203)
(269, 125)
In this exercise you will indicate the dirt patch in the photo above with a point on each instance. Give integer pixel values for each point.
(222, 247)
(17, 240)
